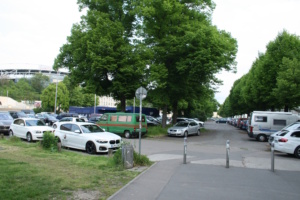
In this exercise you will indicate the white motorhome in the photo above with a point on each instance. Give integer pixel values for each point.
(263, 123)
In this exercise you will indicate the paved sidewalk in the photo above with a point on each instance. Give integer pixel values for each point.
(171, 179)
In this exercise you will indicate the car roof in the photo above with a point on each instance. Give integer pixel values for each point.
(78, 123)
(28, 118)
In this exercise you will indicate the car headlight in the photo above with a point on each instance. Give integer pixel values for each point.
(102, 141)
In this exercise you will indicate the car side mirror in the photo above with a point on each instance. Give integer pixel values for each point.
(77, 131)
(22, 124)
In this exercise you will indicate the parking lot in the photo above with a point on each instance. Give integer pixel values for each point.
(210, 148)
(205, 176)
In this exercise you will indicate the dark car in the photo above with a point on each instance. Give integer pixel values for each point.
(48, 119)
(17, 114)
(94, 119)
(221, 120)
(5, 122)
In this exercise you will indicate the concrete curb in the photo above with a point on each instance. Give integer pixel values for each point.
(125, 186)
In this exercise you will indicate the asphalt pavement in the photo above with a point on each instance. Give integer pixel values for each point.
(205, 176)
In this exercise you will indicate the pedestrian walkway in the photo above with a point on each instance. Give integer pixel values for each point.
(170, 179)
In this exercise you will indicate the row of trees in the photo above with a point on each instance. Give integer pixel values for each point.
(169, 47)
(273, 81)
(39, 88)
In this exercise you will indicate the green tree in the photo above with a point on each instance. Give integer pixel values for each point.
(288, 84)
(188, 51)
(48, 97)
(39, 82)
(99, 52)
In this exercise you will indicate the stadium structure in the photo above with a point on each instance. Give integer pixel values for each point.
(16, 71)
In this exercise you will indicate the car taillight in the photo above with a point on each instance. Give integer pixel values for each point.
(282, 140)
(251, 129)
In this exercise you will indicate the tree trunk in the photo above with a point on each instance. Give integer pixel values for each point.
(175, 112)
(286, 108)
(123, 104)
(164, 117)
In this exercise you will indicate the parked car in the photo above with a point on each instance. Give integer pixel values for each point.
(62, 115)
(184, 128)
(288, 142)
(152, 123)
(153, 119)
(68, 119)
(240, 122)
(201, 124)
(29, 129)
(28, 112)
(179, 119)
(86, 136)
(244, 125)
(5, 122)
(292, 126)
(221, 120)
(17, 114)
(48, 119)
(94, 119)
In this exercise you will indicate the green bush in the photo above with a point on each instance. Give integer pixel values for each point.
(138, 160)
(49, 141)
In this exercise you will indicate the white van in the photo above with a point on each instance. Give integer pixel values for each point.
(263, 123)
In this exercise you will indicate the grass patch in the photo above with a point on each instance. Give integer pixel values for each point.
(158, 131)
(28, 171)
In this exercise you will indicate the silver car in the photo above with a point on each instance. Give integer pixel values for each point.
(184, 128)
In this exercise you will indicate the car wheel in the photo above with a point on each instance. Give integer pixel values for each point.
(297, 152)
(127, 134)
(261, 138)
(90, 148)
(185, 134)
(198, 132)
(11, 133)
(29, 137)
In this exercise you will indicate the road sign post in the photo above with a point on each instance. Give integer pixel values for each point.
(141, 94)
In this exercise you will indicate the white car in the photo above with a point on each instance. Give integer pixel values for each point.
(68, 119)
(288, 142)
(201, 124)
(293, 126)
(29, 129)
(86, 136)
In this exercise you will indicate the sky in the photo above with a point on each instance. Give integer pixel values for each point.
(32, 31)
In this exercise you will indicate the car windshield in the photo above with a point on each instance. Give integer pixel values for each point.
(35, 123)
(4, 116)
(90, 128)
(182, 124)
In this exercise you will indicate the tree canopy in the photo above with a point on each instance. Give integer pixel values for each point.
(271, 83)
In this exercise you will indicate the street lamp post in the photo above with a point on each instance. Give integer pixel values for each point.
(55, 97)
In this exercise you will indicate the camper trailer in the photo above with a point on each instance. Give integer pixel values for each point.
(263, 123)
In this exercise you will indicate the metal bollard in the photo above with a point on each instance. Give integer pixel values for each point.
(227, 153)
(184, 150)
(272, 156)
